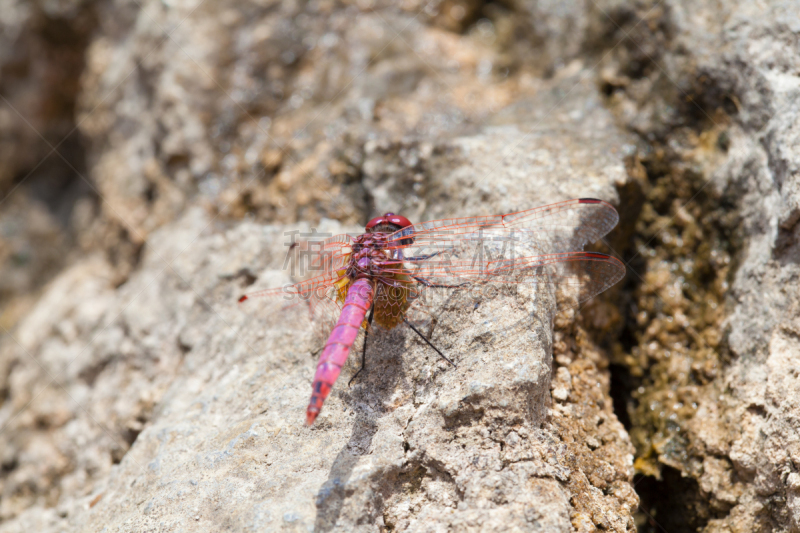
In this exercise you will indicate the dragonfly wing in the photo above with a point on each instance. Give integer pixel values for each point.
(315, 258)
(315, 266)
(572, 223)
(313, 304)
(574, 276)
(555, 228)
(491, 307)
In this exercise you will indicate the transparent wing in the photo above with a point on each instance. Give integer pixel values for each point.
(313, 304)
(574, 276)
(315, 301)
(561, 227)
(519, 288)
(319, 257)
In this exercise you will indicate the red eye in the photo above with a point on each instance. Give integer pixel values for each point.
(389, 218)
(397, 220)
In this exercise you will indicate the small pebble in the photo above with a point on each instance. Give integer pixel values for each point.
(561, 394)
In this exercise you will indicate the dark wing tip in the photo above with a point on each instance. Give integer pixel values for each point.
(242, 298)
(590, 201)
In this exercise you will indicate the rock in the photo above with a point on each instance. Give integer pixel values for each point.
(44, 199)
(214, 394)
(137, 395)
(712, 353)
(164, 390)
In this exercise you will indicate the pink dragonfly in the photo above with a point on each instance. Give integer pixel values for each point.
(385, 274)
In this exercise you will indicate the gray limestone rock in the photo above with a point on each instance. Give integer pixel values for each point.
(138, 396)
(214, 393)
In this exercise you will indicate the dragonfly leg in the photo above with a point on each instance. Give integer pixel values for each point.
(421, 336)
(435, 286)
(364, 350)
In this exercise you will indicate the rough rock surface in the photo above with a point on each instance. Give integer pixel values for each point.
(190, 136)
(413, 445)
(162, 404)
(716, 90)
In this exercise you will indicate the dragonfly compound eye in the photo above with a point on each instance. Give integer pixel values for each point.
(389, 219)
(397, 220)
(390, 223)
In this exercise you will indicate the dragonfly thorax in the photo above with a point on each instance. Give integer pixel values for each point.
(368, 253)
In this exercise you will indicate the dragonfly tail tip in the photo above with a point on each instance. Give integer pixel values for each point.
(242, 298)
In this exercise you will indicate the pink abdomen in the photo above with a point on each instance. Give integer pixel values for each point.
(334, 354)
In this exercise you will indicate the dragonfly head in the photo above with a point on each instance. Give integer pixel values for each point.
(389, 223)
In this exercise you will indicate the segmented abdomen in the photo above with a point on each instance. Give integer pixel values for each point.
(334, 354)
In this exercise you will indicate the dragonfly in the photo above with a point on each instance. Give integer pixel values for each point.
(386, 274)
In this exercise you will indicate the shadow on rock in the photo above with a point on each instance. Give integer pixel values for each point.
(331, 496)
(367, 399)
